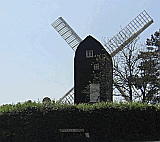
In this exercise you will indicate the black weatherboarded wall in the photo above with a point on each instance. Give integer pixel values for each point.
(84, 67)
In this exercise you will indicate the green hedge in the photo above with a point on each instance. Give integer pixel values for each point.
(36, 122)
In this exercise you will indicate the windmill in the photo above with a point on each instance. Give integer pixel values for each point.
(113, 46)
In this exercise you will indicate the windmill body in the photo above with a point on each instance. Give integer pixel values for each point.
(113, 46)
(85, 69)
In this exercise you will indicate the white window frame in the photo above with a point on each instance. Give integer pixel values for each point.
(96, 66)
(89, 53)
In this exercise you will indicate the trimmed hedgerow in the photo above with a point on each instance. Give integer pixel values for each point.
(32, 121)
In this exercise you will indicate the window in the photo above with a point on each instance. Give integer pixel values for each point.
(89, 53)
(96, 66)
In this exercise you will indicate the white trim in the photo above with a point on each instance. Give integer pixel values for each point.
(96, 66)
(89, 53)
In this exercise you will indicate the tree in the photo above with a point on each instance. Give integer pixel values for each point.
(130, 65)
(125, 69)
(153, 44)
(147, 79)
(154, 40)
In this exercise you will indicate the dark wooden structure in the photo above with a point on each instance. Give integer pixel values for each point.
(86, 69)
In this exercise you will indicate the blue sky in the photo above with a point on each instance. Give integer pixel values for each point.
(35, 61)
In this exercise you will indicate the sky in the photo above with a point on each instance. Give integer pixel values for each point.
(35, 61)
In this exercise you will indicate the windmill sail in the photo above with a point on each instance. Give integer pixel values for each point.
(114, 45)
(68, 97)
(128, 33)
(67, 33)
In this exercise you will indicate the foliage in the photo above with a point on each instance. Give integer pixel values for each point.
(148, 78)
(21, 107)
(41, 121)
(154, 40)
